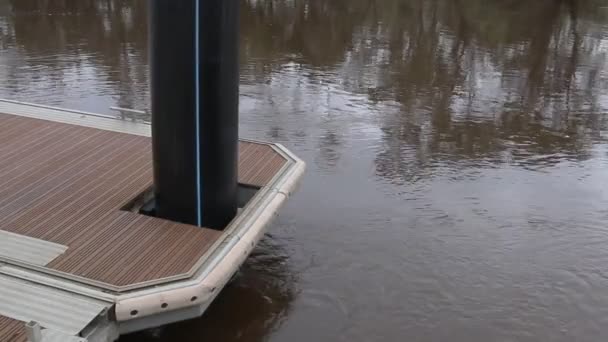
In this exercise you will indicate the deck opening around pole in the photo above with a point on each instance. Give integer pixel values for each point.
(145, 204)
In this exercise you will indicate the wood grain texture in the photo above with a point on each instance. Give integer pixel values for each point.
(12, 330)
(66, 184)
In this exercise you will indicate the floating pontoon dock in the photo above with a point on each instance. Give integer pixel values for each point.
(77, 261)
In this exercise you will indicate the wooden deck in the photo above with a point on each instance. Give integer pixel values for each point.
(12, 330)
(66, 185)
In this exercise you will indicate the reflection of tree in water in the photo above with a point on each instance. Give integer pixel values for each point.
(319, 32)
(493, 83)
(6, 34)
(329, 143)
(109, 35)
(475, 79)
(251, 306)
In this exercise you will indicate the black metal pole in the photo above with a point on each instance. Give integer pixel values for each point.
(194, 88)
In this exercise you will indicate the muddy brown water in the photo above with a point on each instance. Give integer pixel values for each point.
(457, 187)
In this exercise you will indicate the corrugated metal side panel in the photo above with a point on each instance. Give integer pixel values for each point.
(29, 250)
(52, 309)
(12, 330)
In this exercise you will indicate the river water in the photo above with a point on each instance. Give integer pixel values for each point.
(457, 187)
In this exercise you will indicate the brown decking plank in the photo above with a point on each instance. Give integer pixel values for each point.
(12, 330)
(26, 193)
(269, 163)
(253, 154)
(52, 165)
(243, 150)
(72, 233)
(94, 242)
(67, 184)
(171, 261)
(8, 126)
(250, 167)
(15, 132)
(260, 166)
(46, 207)
(120, 246)
(122, 193)
(268, 171)
(112, 264)
(162, 248)
(45, 138)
